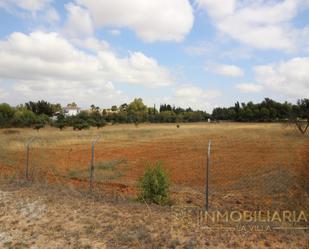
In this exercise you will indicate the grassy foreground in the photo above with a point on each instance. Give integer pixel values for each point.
(253, 166)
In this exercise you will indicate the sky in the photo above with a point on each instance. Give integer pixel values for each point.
(197, 53)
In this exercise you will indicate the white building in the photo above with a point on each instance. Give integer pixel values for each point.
(71, 110)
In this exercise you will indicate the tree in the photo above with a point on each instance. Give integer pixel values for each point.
(80, 124)
(302, 119)
(41, 107)
(264, 114)
(24, 118)
(56, 108)
(100, 123)
(167, 117)
(95, 109)
(6, 115)
(40, 121)
(60, 122)
(123, 107)
(72, 105)
(60, 125)
(38, 125)
(137, 111)
(114, 108)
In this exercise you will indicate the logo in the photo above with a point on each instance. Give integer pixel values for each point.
(242, 221)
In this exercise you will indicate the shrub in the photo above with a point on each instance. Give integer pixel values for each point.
(24, 118)
(80, 125)
(154, 185)
(100, 123)
(38, 126)
(6, 115)
(59, 124)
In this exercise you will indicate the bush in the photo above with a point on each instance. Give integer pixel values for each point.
(38, 126)
(6, 115)
(100, 123)
(80, 125)
(154, 185)
(59, 124)
(24, 118)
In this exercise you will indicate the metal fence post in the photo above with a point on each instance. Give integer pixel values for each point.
(207, 176)
(27, 158)
(92, 163)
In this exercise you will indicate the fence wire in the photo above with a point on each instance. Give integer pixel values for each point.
(260, 168)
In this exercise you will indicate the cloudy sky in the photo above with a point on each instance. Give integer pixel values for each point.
(198, 53)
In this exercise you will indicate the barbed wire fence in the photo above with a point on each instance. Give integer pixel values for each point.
(207, 172)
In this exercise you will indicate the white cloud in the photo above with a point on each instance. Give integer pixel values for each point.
(224, 69)
(217, 9)
(260, 24)
(43, 64)
(2, 94)
(51, 15)
(200, 49)
(91, 43)
(79, 22)
(158, 20)
(249, 87)
(114, 32)
(65, 91)
(193, 96)
(30, 5)
(39, 10)
(26, 8)
(214, 51)
(289, 78)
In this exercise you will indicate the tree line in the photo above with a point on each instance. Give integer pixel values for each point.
(38, 114)
(266, 111)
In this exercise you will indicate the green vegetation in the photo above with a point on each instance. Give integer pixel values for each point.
(154, 185)
(38, 114)
(110, 165)
(107, 170)
(266, 111)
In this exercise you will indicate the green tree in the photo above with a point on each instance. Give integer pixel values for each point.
(114, 108)
(264, 114)
(60, 123)
(167, 117)
(137, 111)
(24, 118)
(38, 125)
(154, 185)
(6, 115)
(301, 116)
(41, 107)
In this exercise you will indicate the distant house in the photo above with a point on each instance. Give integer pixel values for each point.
(55, 116)
(71, 110)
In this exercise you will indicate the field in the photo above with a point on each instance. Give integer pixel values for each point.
(251, 159)
(252, 166)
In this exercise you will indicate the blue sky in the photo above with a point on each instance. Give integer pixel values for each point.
(201, 53)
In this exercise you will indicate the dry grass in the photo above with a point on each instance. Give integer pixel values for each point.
(50, 218)
(253, 166)
(266, 160)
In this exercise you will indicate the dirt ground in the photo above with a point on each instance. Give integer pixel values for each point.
(253, 167)
(38, 216)
(263, 160)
